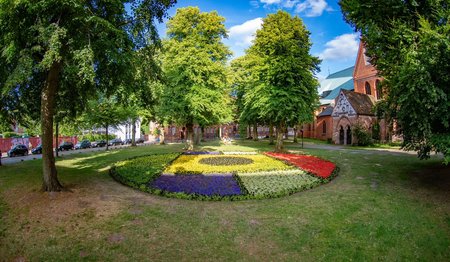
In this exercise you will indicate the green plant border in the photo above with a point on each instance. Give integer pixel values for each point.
(145, 188)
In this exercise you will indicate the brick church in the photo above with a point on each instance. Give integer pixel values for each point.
(347, 99)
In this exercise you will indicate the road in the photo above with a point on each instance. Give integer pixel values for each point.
(12, 160)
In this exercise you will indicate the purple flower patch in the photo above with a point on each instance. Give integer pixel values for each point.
(209, 185)
(201, 153)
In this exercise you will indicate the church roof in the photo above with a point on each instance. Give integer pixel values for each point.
(326, 112)
(331, 85)
(362, 103)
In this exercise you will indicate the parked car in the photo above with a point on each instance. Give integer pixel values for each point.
(140, 141)
(99, 143)
(66, 145)
(127, 141)
(83, 144)
(18, 150)
(37, 150)
(115, 142)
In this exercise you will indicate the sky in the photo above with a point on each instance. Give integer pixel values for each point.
(334, 41)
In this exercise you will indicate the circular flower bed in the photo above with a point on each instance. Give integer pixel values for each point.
(214, 176)
(226, 161)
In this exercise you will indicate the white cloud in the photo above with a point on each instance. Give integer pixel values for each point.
(341, 47)
(311, 8)
(243, 34)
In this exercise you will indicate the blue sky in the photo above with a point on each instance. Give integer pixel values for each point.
(334, 41)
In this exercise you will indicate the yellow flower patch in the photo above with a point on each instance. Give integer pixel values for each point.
(196, 164)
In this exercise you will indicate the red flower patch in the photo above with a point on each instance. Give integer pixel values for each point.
(312, 164)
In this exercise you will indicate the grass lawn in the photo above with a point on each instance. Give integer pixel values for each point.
(382, 206)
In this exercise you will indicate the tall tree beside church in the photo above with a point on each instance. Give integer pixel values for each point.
(409, 44)
(286, 90)
(51, 45)
(194, 64)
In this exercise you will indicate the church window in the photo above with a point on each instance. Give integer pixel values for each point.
(324, 127)
(368, 91)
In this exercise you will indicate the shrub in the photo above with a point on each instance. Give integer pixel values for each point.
(96, 137)
(362, 135)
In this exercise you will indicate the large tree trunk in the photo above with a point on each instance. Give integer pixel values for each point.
(271, 135)
(190, 137)
(107, 138)
(279, 147)
(133, 133)
(255, 132)
(48, 100)
(57, 136)
(198, 136)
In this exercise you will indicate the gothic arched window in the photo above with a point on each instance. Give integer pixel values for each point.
(368, 91)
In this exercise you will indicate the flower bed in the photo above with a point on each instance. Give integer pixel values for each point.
(210, 185)
(216, 177)
(276, 183)
(192, 164)
(316, 166)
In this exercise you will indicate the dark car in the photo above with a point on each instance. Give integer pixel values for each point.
(83, 144)
(18, 150)
(140, 141)
(67, 145)
(100, 143)
(115, 142)
(37, 150)
(127, 141)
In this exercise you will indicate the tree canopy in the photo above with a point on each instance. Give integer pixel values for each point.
(285, 89)
(194, 64)
(56, 47)
(409, 44)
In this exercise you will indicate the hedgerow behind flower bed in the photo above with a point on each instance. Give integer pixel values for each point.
(316, 166)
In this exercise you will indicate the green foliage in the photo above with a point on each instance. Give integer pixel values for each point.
(408, 43)
(194, 62)
(362, 135)
(277, 84)
(10, 134)
(138, 172)
(95, 137)
(277, 183)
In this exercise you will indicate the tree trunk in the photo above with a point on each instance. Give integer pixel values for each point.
(202, 132)
(249, 131)
(198, 136)
(271, 135)
(220, 132)
(48, 101)
(295, 134)
(279, 147)
(255, 132)
(57, 136)
(107, 138)
(190, 137)
(133, 133)
(162, 136)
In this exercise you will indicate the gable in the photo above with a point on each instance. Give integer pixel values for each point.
(363, 68)
(343, 106)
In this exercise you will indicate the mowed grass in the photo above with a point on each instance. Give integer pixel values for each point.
(382, 206)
